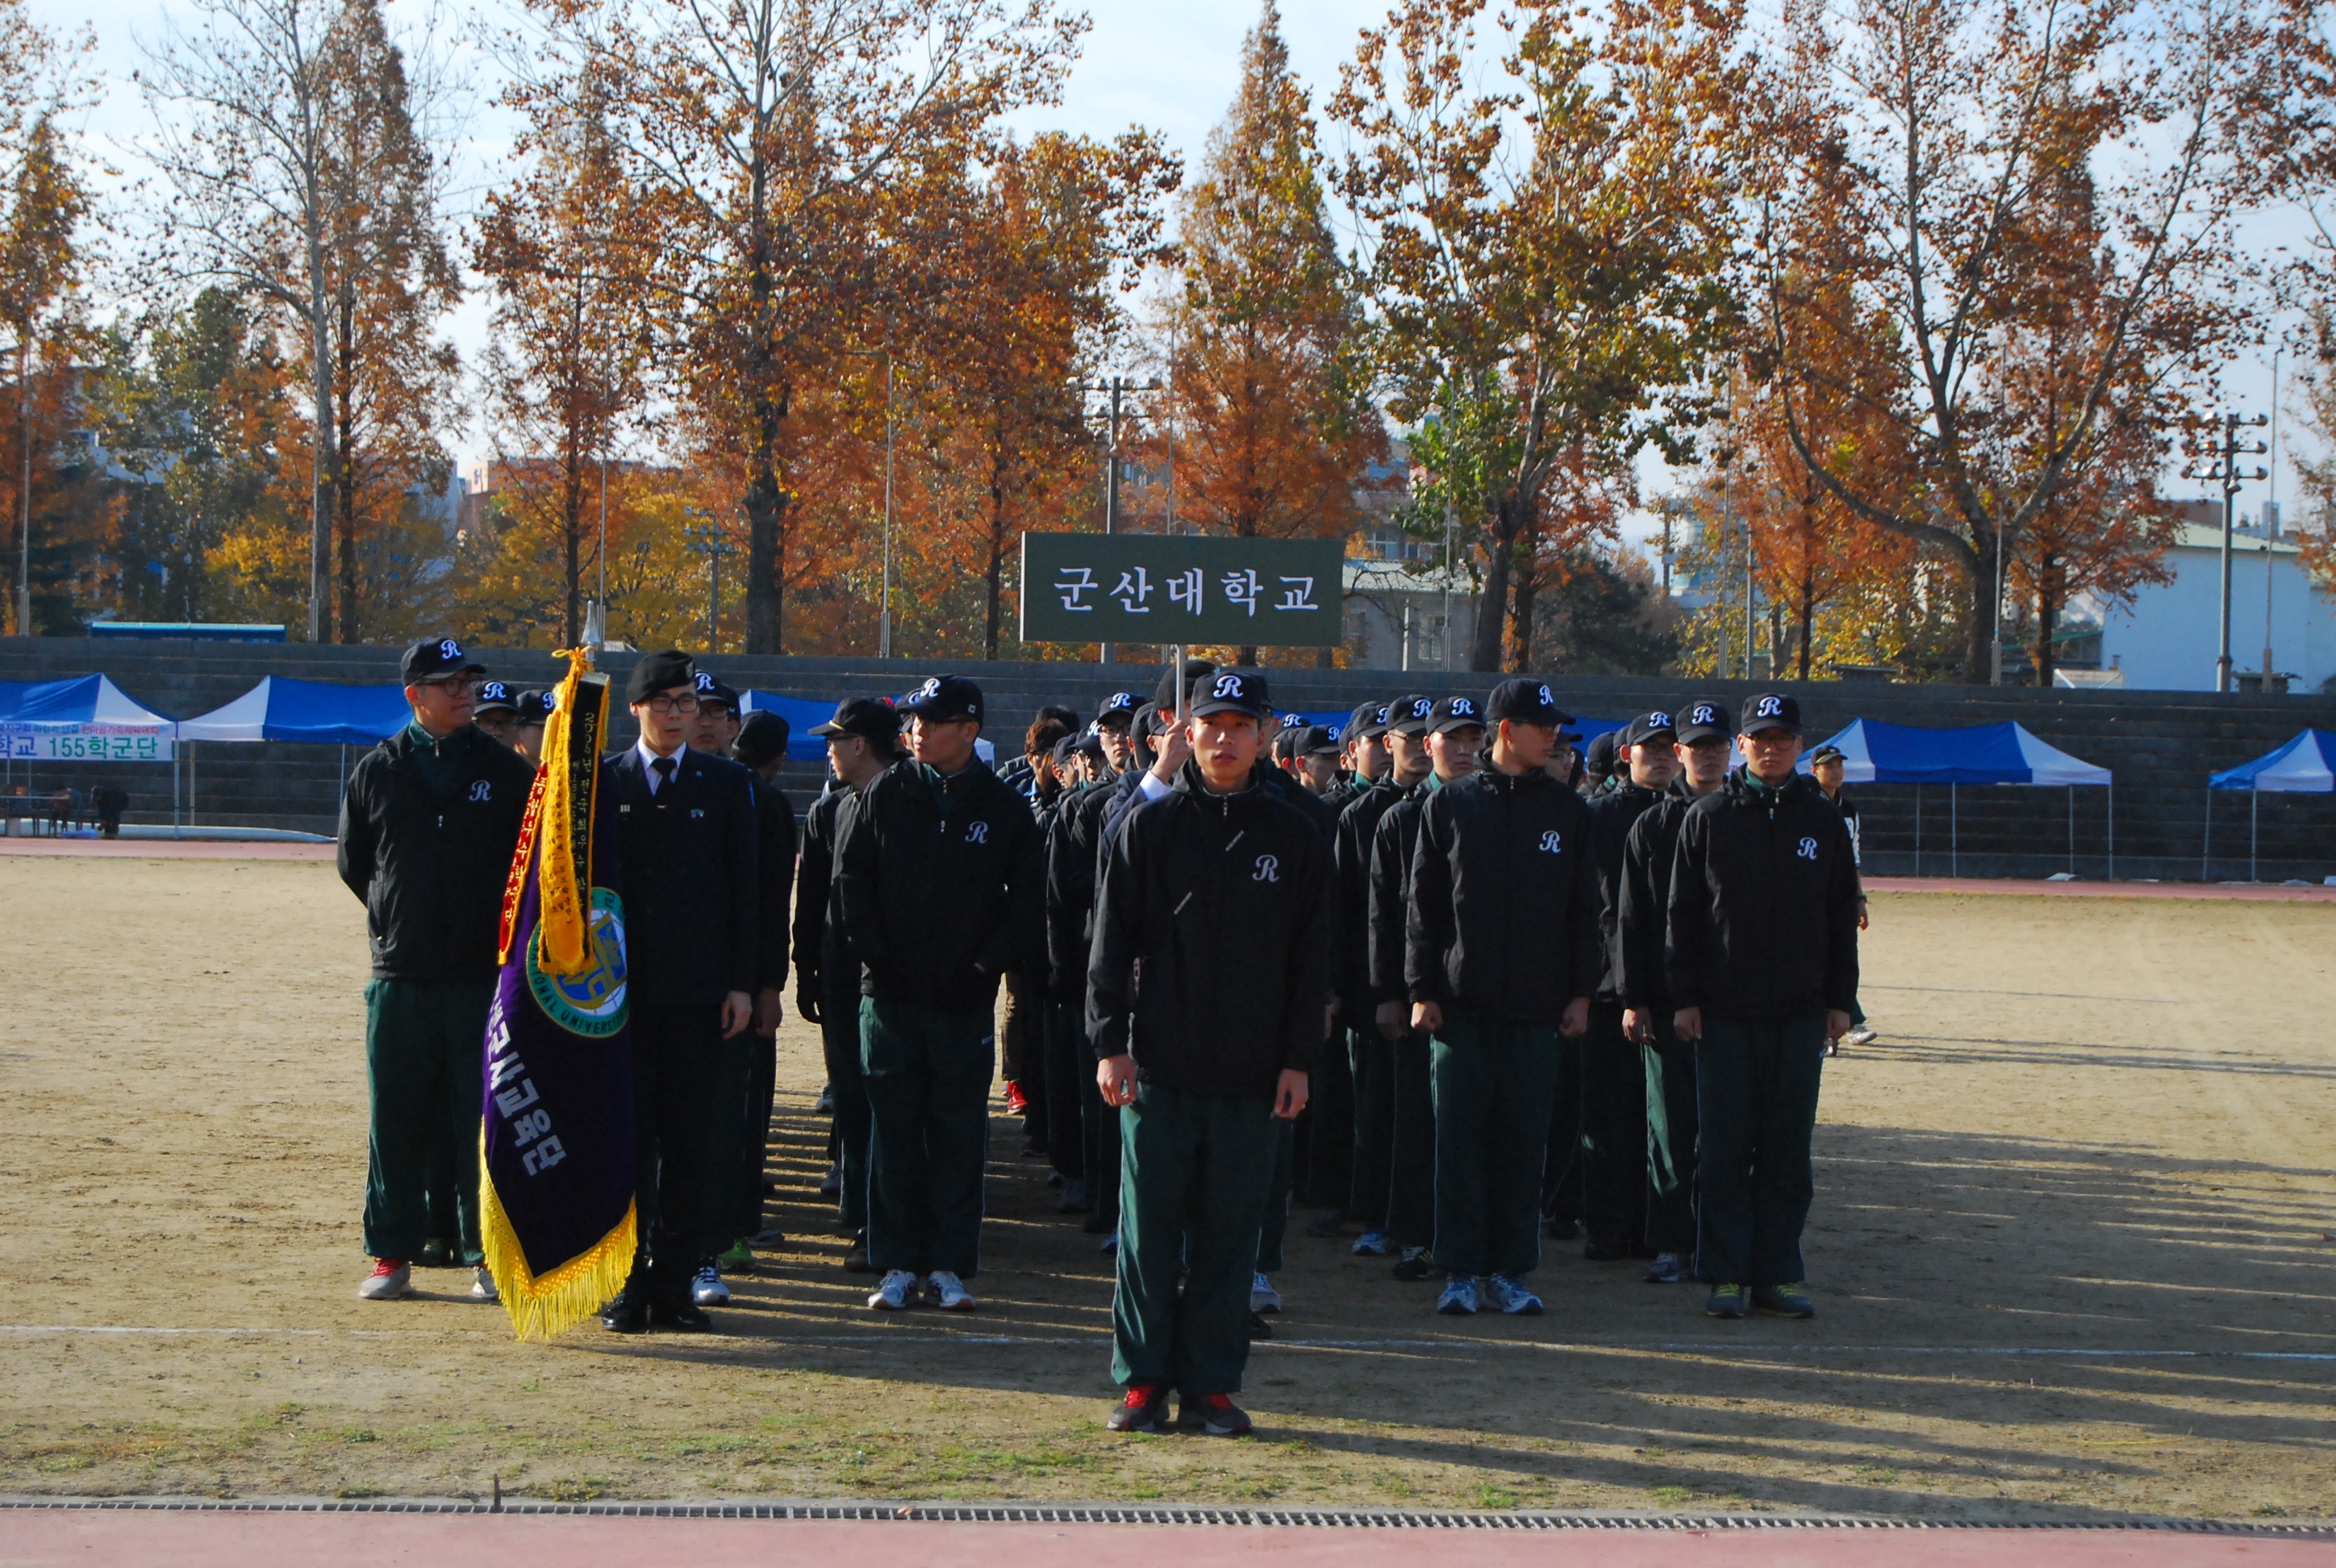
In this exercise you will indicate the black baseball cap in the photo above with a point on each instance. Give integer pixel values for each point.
(763, 737)
(1704, 718)
(712, 693)
(498, 696)
(1284, 739)
(535, 705)
(1600, 758)
(945, 696)
(1164, 694)
(1827, 752)
(1230, 691)
(869, 718)
(1526, 702)
(1453, 713)
(1145, 724)
(435, 658)
(1060, 753)
(1314, 740)
(1120, 707)
(1088, 744)
(1649, 726)
(1408, 715)
(1368, 722)
(1770, 710)
(659, 672)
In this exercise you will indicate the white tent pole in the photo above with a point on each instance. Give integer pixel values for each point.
(2254, 816)
(174, 787)
(1918, 830)
(2112, 787)
(2072, 830)
(1954, 837)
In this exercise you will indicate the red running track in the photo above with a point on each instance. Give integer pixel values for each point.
(230, 1540)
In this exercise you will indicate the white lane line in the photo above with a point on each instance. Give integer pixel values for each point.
(906, 1337)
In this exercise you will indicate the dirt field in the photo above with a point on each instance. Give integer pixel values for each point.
(2072, 1249)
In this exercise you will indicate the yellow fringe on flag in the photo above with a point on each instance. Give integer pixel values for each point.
(540, 1308)
(563, 924)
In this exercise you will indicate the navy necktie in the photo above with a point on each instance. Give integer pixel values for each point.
(663, 766)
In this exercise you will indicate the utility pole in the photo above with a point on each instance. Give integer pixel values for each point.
(707, 539)
(1117, 388)
(2271, 522)
(25, 491)
(884, 608)
(2223, 470)
(1995, 650)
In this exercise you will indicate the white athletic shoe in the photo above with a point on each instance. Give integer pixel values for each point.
(391, 1278)
(1262, 1297)
(897, 1293)
(1509, 1294)
(948, 1291)
(482, 1286)
(1459, 1298)
(1371, 1245)
(707, 1289)
(1859, 1036)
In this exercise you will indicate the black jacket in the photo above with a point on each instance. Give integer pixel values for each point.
(1070, 865)
(692, 878)
(430, 864)
(1358, 994)
(1644, 905)
(939, 894)
(1504, 919)
(774, 837)
(819, 963)
(1763, 910)
(1222, 905)
(1613, 811)
(1394, 836)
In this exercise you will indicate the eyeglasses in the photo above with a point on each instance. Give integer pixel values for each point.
(456, 685)
(672, 704)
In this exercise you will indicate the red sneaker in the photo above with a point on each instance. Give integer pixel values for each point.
(1017, 1103)
(391, 1278)
(1142, 1408)
(1216, 1414)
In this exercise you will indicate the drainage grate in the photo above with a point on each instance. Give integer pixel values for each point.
(1149, 1513)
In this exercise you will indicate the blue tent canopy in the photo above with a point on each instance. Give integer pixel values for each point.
(325, 712)
(802, 716)
(2305, 765)
(1982, 754)
(80, 699)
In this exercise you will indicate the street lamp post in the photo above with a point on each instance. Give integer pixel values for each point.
(1116, 388)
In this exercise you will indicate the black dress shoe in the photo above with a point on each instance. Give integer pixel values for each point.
(679, 1312)
(624, 1315)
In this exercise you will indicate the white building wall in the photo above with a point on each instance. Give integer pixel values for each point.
(2168, 639)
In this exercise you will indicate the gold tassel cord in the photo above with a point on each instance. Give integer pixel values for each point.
(543, 1308)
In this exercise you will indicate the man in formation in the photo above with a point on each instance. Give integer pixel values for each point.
(1478, 932)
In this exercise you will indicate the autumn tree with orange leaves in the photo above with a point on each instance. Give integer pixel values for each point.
(1275, 429)
(1049, 233)
(2003, 242)
(561, 247)
(778, 149)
